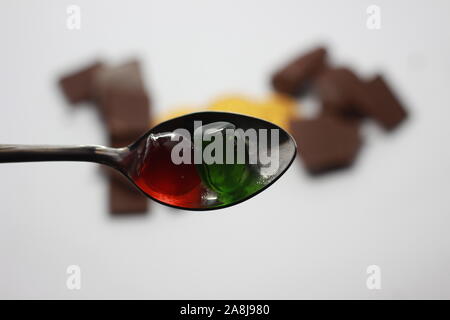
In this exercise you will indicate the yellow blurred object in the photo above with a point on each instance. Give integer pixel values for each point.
(277, 108)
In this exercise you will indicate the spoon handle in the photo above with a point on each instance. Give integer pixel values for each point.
(86, 153)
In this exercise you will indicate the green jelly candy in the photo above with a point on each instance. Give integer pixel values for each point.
(231, 181)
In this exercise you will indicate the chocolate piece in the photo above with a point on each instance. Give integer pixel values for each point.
(126, 114)
(124, 197)
(388, 112)
(124, 78)
(77, 87)
(293, 78)
(123, 100)
(344, 94)
(350, 115)
(124, 105)
(326, 143)
(341, 91)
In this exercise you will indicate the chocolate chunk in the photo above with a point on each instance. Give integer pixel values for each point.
(125, 107)
(344, 94)
(124, 197)
(348, 115)
(126, 113)
(124, 78)
(295, 77)
(388, 112)
(326, 143)
(123, 100)
(77, 87)
(341, 91)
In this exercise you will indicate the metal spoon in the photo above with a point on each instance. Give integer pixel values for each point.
(148, 163)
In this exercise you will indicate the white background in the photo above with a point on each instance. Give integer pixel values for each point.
(304, 237)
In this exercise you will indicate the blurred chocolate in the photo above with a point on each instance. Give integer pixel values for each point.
(123, 78)
(125, 106)
(294, 78)
(345, 95)
(326, 143)
(77, 87)
(126, 114)
(350, 115)
(120, 96)
(388, 112)
(122, 100)
(124, 197)
(342, 92)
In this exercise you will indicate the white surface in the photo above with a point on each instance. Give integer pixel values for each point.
(302, 238)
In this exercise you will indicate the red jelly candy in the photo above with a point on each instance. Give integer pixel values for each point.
(161, 178)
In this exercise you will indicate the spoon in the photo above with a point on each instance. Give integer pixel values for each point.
(200, 161)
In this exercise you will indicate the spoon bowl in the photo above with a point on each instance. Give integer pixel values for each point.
(203, 186)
